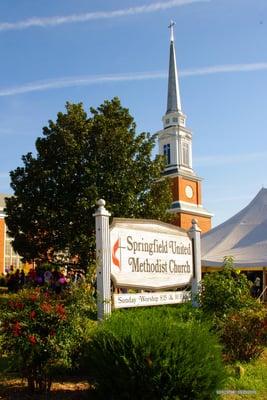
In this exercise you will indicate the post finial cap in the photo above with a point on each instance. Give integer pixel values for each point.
(101, 211)
(101, 203)
(194, 226)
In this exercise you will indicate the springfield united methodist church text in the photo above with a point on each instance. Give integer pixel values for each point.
(156, 248)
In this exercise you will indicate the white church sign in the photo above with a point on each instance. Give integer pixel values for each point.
(149, 255)
(144, 255)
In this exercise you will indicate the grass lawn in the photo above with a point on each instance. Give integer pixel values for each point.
(250, 377)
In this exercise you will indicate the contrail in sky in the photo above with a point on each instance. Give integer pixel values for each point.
(217, 69)
(229, 159)
(98, 15)
(38, 86)
(79, 81)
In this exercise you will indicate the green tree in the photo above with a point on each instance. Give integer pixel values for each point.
(80, 159)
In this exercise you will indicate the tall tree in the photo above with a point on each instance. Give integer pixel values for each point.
(80, 159)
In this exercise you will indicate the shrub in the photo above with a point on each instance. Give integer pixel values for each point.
(35, 328)
(150, 354)
(80, 298)
(80, 301)
(223, 291)
(243, 334)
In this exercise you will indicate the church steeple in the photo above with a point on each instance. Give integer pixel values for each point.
(175, 143)
(174, 115)
(174, 100)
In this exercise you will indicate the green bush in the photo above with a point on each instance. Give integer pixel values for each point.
(151, 354)
(80, 302)
(34, 331)
(224, 291)
(243, 334)
(42, 332)
(80, 298)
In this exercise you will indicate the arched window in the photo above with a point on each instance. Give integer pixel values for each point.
(185, 153)
(167, 152)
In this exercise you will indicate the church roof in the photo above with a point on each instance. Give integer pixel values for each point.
(244, 237)
(174, 100)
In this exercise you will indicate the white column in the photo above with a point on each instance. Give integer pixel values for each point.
(103, 259)
(194, 234)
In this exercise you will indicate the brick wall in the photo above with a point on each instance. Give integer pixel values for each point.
(185, 221)
(178, 190)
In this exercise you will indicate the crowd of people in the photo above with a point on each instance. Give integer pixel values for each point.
(56, 278)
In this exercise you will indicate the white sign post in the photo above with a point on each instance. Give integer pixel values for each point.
(103, 260)
(194, 233)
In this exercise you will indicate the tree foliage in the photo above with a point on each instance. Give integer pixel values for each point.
(80, 159)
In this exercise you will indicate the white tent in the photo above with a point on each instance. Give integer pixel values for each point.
(244, 237)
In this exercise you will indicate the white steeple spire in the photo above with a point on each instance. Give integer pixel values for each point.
(175, 140)
(174, 100)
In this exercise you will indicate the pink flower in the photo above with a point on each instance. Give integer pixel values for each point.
(61, 311)
(11, 304)
(32, 314)
(62, 280)
(19, 305)
(32, 339)
(33, 297)
(16, 329)
(46, 307)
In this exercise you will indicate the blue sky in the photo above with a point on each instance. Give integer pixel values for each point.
(92, 50)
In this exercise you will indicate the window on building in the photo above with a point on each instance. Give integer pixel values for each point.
(185, 153)
(175, 119)
(167, 121)
(167, 152)
(10, 256)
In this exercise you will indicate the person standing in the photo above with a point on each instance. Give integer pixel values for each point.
(257, 286)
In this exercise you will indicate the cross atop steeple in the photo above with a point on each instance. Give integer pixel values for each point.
(171, 26)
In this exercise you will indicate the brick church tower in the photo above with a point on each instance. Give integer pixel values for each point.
(175, 143)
